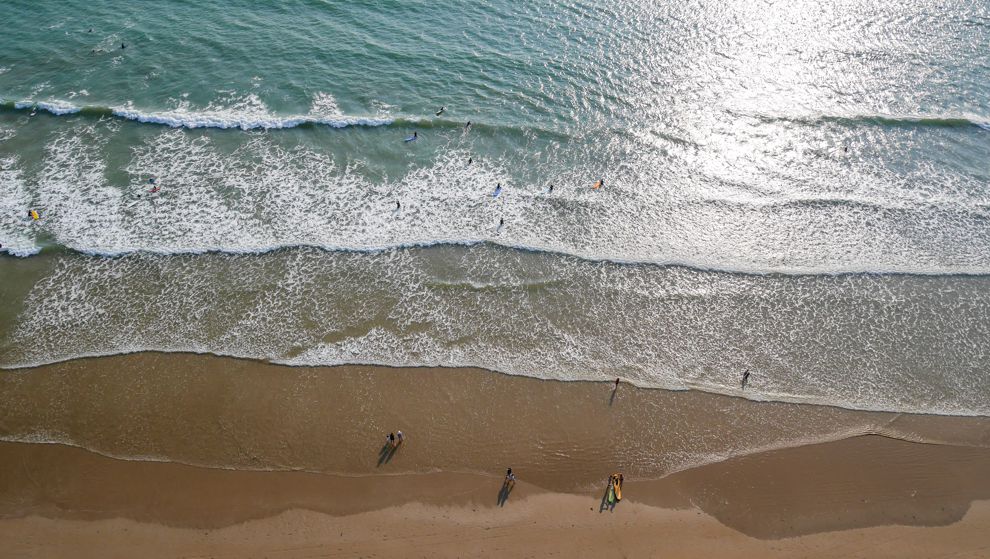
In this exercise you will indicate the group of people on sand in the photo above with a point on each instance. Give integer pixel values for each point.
(394, 439)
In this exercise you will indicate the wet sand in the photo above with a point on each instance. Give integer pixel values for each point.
(871, 497)
(200, 455)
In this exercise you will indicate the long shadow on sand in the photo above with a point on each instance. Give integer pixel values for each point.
(605, 504)
(386, 453)
(503, 494)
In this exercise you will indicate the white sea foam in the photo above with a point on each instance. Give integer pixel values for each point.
(263, 197)
(17, 231)
(247, 113)
(863, 342)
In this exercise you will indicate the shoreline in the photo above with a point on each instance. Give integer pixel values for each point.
(857, 495)
(768, 495)
(776, 399)
(204, 410)
(228, 457)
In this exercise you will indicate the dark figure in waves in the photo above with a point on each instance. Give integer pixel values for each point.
(745, 379)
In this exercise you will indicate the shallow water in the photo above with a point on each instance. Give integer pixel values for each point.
(752, 156)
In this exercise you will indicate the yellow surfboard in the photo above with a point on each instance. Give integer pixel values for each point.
(34, 215)
(617, 486)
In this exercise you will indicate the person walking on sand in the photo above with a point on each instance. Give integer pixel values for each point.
(616, 384)
(390, 439)
(745, 378)
(399, 437)
(510, 478)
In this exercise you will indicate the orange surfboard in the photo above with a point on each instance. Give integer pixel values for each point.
(598, 184)
(617, 486)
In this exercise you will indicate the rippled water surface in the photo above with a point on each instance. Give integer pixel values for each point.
(753, 155)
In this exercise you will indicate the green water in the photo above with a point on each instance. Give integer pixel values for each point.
(753, 154)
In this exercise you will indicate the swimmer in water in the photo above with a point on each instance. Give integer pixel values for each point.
(501, 222)
(442, 109)
(470, 160)
(550, 190)
(398, 205)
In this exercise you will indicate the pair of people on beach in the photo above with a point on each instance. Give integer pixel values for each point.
(395, 439)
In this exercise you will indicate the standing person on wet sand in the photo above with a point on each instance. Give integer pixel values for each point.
(745, 379)
(616, 384)
(510, 478)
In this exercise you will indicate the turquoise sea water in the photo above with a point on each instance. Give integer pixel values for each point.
(798, 188)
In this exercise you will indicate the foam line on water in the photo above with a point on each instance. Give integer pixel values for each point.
(263, 197)
(221, 118)
(885, 343)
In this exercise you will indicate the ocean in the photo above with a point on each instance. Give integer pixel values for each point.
(801, 190)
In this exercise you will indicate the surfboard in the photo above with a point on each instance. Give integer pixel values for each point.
(497, 192)
(598, 184)
(618, 488)
(611, 494)
(35, 216)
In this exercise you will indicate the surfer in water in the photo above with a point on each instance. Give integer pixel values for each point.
(470, 160)
(599, 184)
(501, 222)
(442, 109)
(745, 379)
(550, 190)
(154, 187)
(414, 137)
(467, 126)
(398, 205)
(498, 190)
(123, 46)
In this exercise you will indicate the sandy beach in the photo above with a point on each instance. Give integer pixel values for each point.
(190, 455)
(246, 246)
